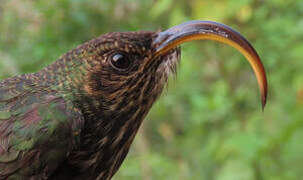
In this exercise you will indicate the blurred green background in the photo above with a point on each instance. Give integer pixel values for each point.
(209, 123)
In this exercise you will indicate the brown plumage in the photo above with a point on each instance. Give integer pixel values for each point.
(77, 118)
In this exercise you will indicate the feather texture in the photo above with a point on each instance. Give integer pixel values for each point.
(38, 129)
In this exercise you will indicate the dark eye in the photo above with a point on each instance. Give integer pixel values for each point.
(120, 61)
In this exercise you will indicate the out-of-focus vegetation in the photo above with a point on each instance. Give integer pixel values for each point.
(209, 123)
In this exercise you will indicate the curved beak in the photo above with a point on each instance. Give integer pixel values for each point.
(196, 30)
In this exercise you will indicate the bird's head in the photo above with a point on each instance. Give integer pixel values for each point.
(131, 68)
(123, 71)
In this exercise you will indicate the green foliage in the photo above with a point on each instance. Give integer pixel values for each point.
(209, 123)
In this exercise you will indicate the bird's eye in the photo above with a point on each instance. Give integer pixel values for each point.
(120, 62)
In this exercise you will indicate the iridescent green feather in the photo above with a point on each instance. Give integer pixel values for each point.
(39, 126)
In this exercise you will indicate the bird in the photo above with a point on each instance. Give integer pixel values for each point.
(77, 117)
